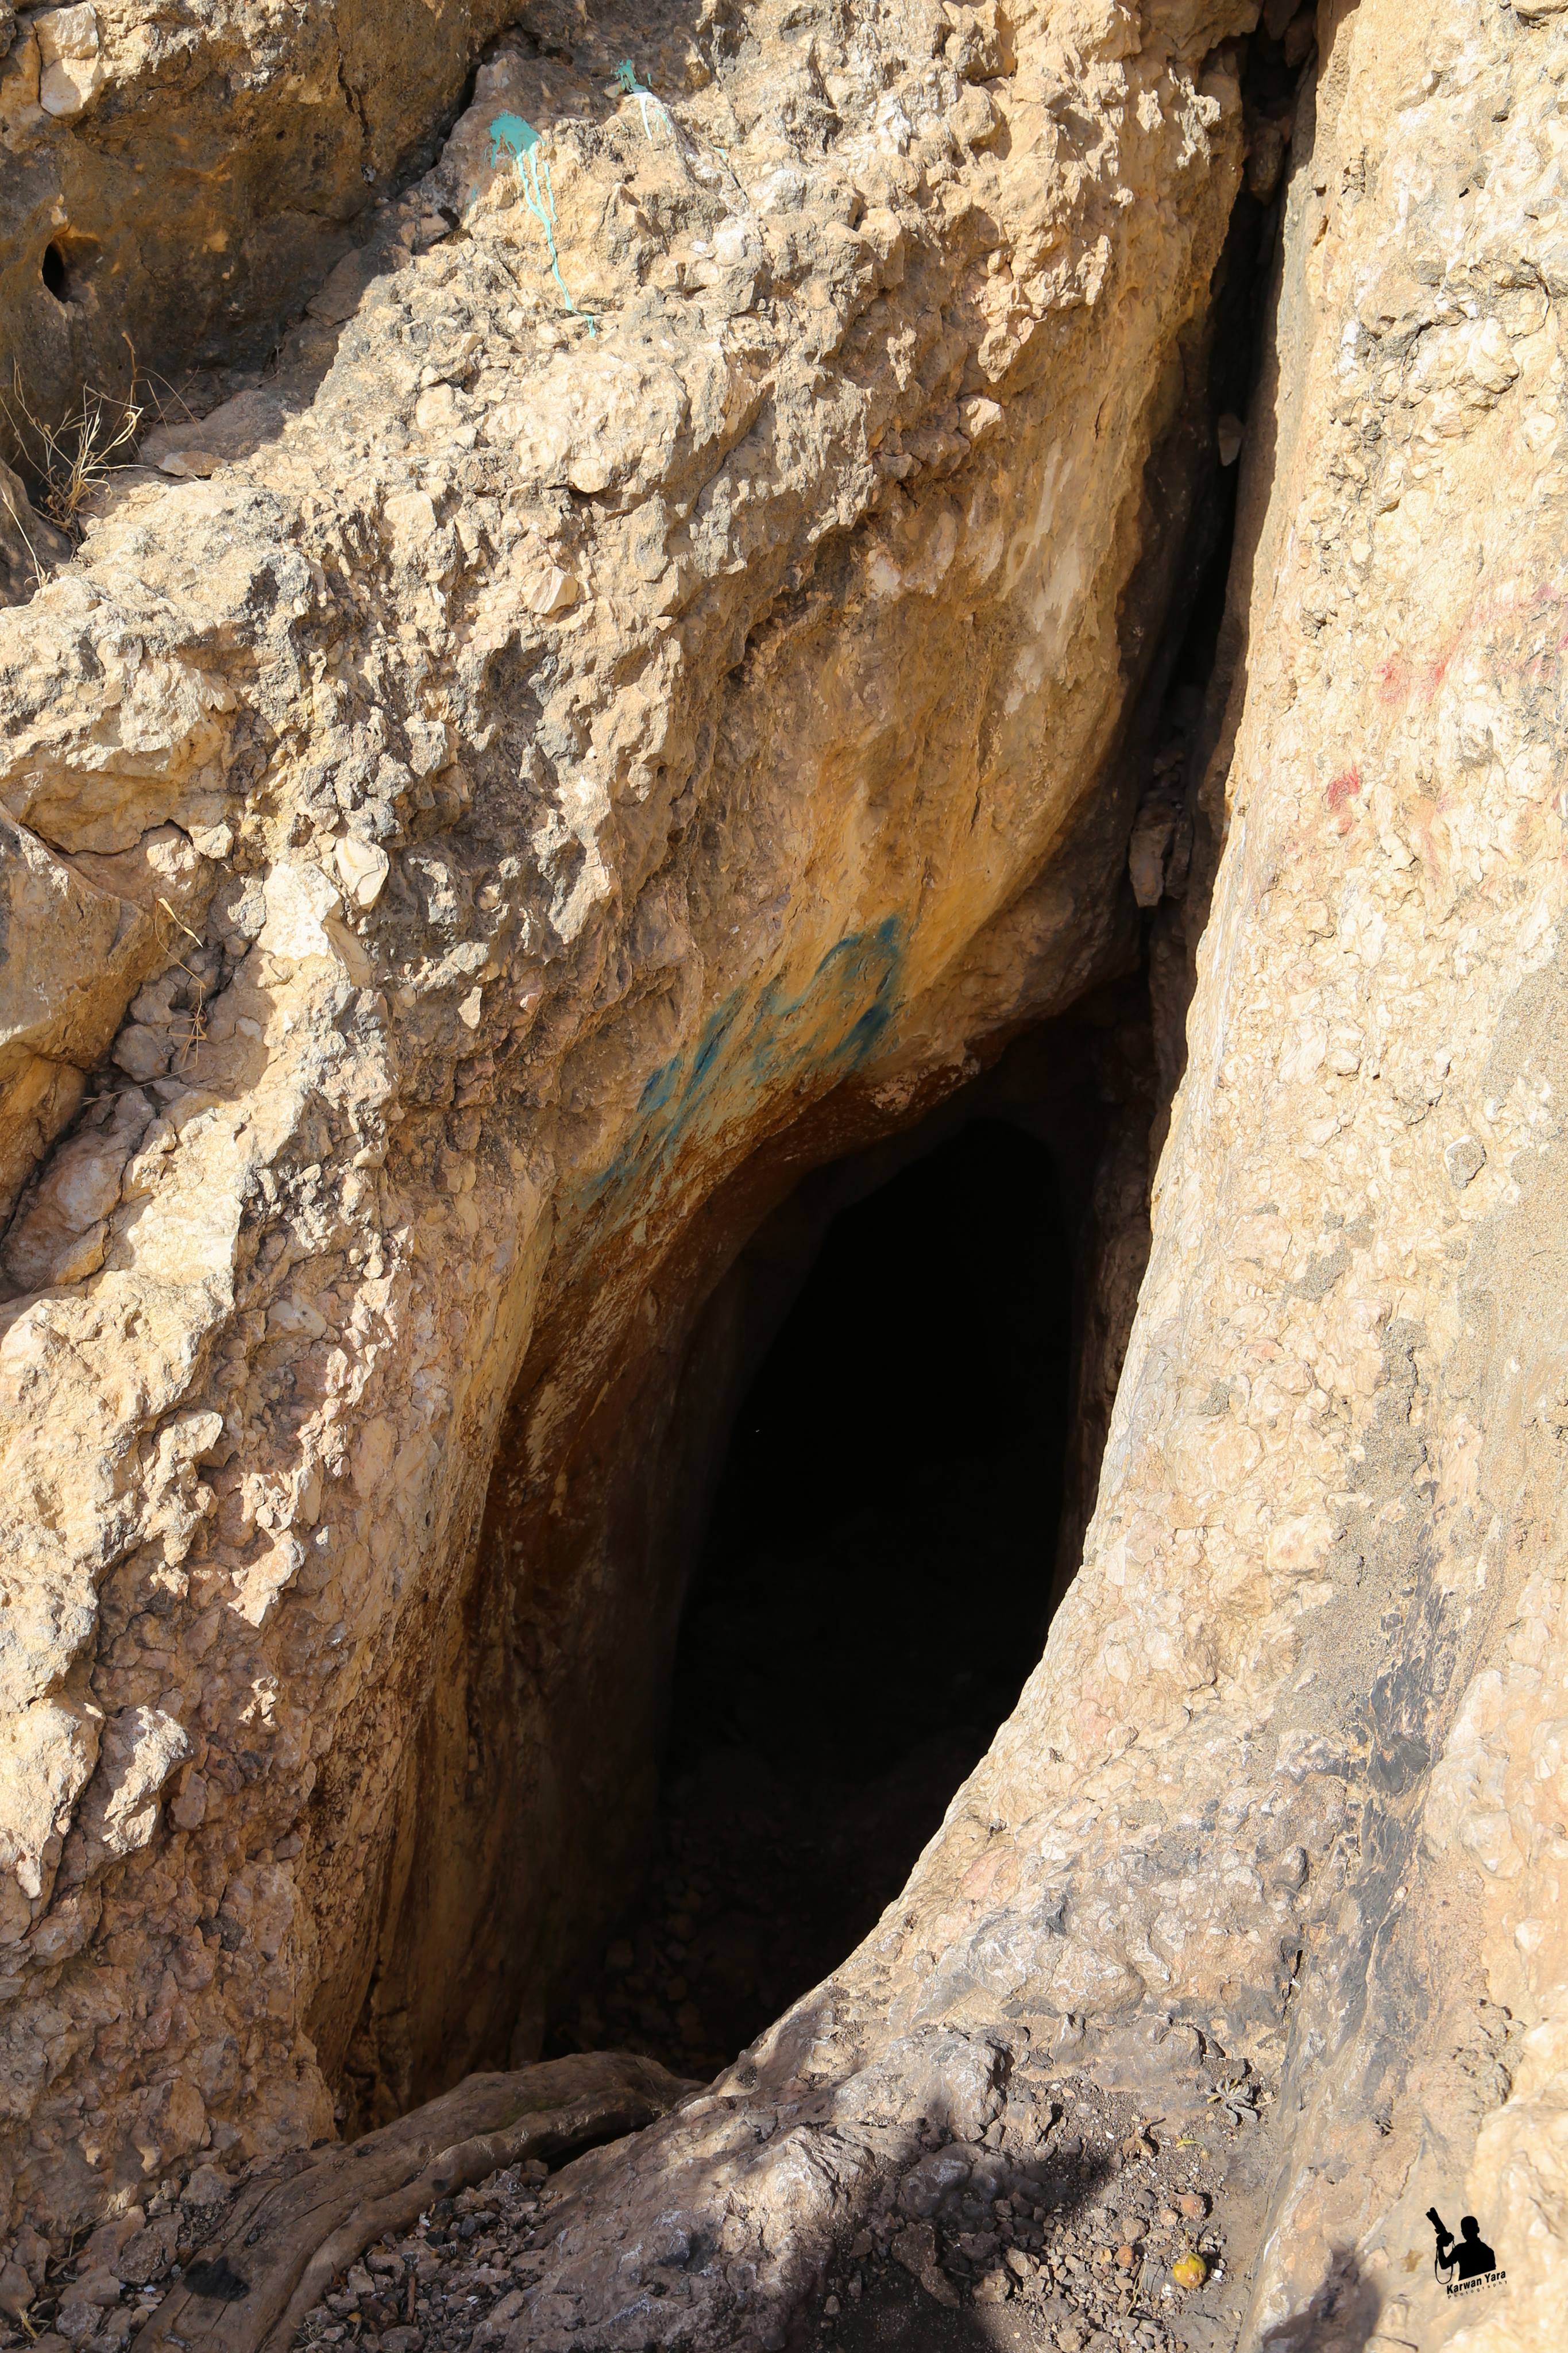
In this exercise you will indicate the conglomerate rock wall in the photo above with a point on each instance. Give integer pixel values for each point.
(570, 765)
(1280, 1814)
(184, 169)
(631, 697)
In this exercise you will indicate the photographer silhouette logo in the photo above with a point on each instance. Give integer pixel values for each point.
(1465, 2262)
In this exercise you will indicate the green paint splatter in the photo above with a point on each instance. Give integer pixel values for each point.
(509, 134)
(752, 1046)
(627, 77)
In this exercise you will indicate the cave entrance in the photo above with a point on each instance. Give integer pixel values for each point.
(874, 1587)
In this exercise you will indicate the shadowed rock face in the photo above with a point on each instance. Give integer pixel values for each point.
(186, 181)
(602, 772)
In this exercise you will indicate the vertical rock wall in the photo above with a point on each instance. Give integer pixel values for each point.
(641, 675)
(1280, 1814)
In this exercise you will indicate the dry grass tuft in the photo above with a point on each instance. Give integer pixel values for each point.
(75, 458)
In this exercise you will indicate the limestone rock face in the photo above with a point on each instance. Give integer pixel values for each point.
(626, 706)
(185, 179)
(1282, 1806)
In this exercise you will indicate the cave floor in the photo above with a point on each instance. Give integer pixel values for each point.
(811, 1769)
(1069, 2250)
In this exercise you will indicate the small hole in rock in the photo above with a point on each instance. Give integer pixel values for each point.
(56, 276)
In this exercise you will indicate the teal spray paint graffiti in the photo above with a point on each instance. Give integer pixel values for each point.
(626, 76)
(753, 1045)
(512, 135)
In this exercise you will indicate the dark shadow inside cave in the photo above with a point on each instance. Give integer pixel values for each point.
(874, 1587)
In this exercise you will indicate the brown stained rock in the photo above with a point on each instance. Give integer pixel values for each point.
(325, 117)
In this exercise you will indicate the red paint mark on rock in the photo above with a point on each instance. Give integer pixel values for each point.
(1344, 788)
(1393, 678)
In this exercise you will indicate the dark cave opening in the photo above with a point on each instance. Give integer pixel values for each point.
(874, 1587)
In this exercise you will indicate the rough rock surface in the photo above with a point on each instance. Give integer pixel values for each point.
(631, 697)
(602, 775)
(168, 176)
(1281, 1805)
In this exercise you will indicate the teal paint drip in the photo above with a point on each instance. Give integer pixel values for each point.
(512, 135)
(626, 76)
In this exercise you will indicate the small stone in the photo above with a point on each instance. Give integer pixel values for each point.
(141, 1053)
(410, 517)
(915, 2247)
(208, 2186)
(362, 868)
(1193, 2205)
(75, 2320)
(979, 416)
(436, 411)
(552, 591)
(147, 2255)
(299, 900)
(994, 2288)
(979, 2246)
(1465, 1159)
(72, 70)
